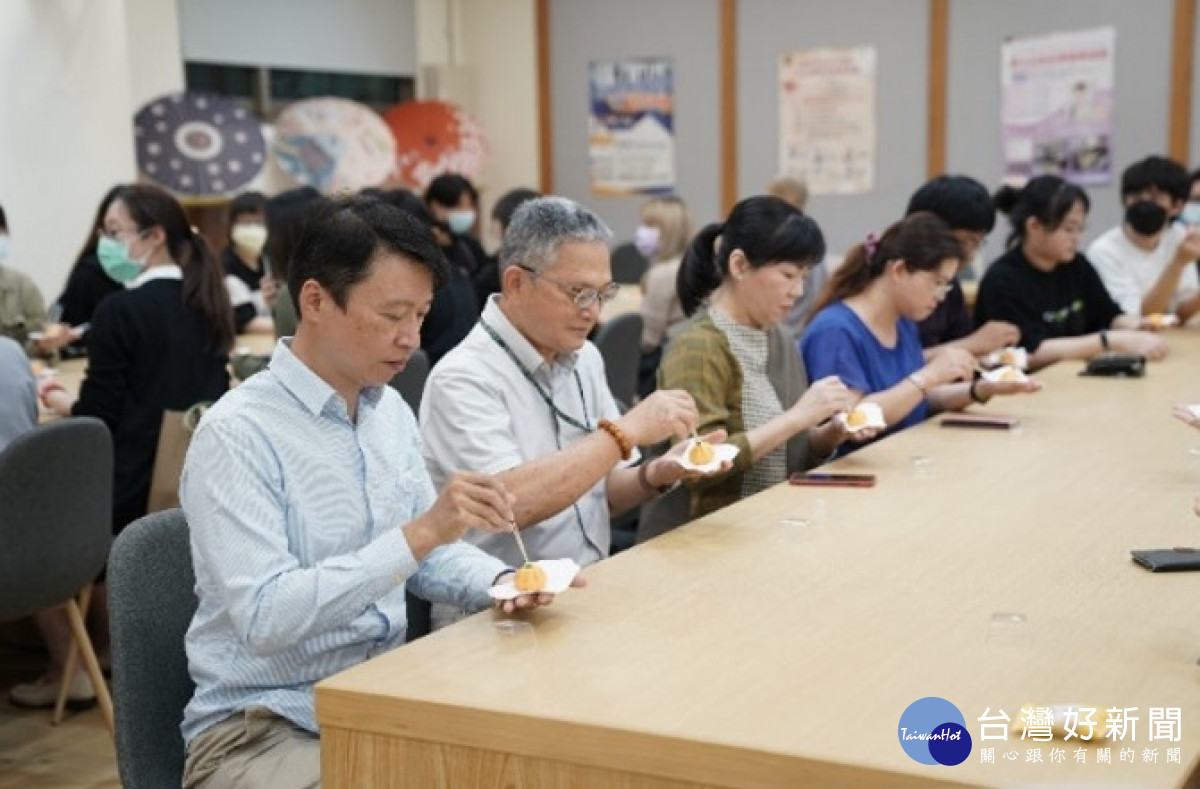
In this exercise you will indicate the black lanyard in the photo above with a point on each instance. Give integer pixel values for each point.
(554, 409)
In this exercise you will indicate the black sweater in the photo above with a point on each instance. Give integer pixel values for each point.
(147, 353)
(86, 287)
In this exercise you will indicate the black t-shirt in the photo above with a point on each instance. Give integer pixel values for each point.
(87, 286)
(949, 322)
(235, 267)
(451, 316)
(1069, 301)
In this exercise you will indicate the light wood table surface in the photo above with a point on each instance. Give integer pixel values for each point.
(748, 649)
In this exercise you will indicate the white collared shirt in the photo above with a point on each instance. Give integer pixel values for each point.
(479, 413)
(169, 271)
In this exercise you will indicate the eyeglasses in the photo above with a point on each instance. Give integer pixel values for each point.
(115, 235)
(941, 287)
(582, 296)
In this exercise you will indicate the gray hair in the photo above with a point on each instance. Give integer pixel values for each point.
(541, 226)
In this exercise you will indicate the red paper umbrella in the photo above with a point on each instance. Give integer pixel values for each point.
(434, 137)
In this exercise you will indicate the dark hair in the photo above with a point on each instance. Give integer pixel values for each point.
(448, 188)
(958, 200)
(921, 240)
(288, 214)
(1193, 178)
(247, 203)
(203, 279)
(3, 220)
(1047, 198)
(767, 229)
(342, 241)
(410, 204)
(93, 236)
(508, 204)
(1156, 172)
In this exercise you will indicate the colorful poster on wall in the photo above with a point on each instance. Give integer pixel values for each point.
(1056, 111)
(827, 119)
(631, 134)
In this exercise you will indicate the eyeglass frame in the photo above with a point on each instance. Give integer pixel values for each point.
(581, 295)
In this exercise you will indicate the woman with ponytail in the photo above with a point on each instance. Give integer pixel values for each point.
(1045, 286)
(161, 344)
(865, 331)
(741, 278)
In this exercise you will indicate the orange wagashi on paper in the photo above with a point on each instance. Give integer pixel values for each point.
(1010, 375)
(530, 578)
(857, 418)
(701, 452)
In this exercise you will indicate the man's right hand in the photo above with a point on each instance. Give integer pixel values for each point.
(468, 501)
(947, 366)
(1143, 343)
(665, 413)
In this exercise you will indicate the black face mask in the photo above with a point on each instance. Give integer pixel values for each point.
(1146, 217)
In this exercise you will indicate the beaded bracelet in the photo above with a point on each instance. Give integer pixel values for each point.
(623, 442)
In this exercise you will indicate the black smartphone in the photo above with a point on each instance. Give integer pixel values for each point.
(993, 421)
(1168, 559)
(827, 479)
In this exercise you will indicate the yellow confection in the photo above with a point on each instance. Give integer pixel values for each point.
(530, 578)
(857, 418)
(701, 452)
(1010, 375)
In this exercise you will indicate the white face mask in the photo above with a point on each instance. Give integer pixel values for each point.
(646, 239)
(250, 237)
(1191, 213)
(460, 220)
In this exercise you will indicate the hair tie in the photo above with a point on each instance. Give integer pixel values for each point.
(870, 245)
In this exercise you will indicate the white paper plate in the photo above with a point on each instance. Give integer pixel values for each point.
(874, 417)
(559, 574)
(998, 374)
(1195, 409)
(721, 453)
(1012, 357)
(1162, 320)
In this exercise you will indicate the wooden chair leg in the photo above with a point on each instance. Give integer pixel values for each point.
(89, 660)
(60, 704)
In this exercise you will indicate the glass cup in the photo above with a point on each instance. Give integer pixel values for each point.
(1008, 629)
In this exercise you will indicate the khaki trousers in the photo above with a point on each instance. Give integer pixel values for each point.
(254, 749)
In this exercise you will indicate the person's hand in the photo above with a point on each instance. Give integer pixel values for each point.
(821, 400)
(270, 289)
(1151, 346)
(528, 602)
(837, 433)
(950, 364)
(54, 337)
(994, 335)
(665, 413)
(1185, 414)
(666, 470)
(468, 501)
(989, 389)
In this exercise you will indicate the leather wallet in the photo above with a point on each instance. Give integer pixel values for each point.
(1168, 559)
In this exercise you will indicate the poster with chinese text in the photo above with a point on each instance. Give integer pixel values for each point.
(631, 136)
(1056, 111)
(827, 119)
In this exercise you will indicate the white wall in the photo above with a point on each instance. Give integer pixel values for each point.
(366, 36)
(155, 51)
(67, 134)
(499, 50)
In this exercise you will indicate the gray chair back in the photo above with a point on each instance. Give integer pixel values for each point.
(151, 600)
(620, 344)
(628, 265)
(410, 382)
(55, 513)
(664, 513)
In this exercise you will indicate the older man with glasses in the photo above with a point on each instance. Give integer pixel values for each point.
(524, 396)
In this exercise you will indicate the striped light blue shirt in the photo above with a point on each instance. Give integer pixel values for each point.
(300, 565)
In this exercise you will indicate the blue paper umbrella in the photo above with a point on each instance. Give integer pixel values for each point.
(198, 143)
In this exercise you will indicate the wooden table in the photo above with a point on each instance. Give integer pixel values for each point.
(748, 649)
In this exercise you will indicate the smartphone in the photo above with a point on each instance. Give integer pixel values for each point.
(825, 479)
(993, 421)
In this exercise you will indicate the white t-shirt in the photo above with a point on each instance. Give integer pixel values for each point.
(1129, 272)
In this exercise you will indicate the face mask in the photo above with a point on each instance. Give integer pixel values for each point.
(646, 239)
(1191, 213)
(3, 247)
(461, 221)
(1146, 217)
(114, 259)
(249, 237)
